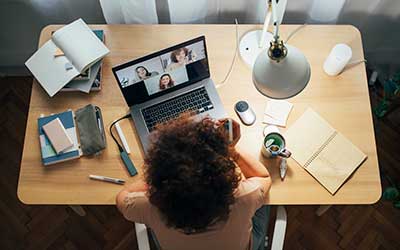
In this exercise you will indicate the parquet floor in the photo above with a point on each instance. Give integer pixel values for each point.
(58, 227)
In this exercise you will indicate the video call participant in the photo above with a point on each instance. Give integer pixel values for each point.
(166, 81)
(180, 57)
(200, 192)
(142, 73)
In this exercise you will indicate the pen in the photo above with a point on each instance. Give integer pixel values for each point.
(228, 126)
(107, 179)
(283, 169)
(99, 121)
(230, 130)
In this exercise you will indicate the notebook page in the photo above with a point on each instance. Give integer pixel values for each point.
(79, 44)
(50, 71)
(307, 135)
(336, 162)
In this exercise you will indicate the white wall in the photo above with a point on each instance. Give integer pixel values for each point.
(22, 20)
(378, 20)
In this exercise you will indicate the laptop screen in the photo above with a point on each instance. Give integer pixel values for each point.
(162, 72)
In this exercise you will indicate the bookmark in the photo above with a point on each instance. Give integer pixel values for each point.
(58, 53)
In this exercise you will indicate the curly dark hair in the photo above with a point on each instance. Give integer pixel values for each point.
(191, 174)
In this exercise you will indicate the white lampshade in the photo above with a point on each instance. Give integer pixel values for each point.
(283, 79)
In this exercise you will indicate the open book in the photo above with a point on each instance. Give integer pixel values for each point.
(321, 150)
(81, 50)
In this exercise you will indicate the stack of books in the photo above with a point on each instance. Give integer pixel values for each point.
(71, 60)
(90, 80)
(49, 151)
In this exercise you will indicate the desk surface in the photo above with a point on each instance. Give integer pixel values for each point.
(343, 101)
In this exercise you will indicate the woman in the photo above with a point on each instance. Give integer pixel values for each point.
(166, 82)
(180, 57)
(200, 191)
(142, 73)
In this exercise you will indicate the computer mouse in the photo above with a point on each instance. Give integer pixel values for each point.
(245, 113)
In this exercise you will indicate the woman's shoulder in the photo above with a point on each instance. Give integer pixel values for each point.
(250, 188)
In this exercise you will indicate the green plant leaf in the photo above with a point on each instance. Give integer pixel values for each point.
(389, 87)
(397, 90)
(396, 204)
(391, 194)
(396, 77)
(381, 109)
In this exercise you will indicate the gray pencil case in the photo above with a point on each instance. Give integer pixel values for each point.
(89, 122)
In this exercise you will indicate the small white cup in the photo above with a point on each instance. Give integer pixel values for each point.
(338, 58)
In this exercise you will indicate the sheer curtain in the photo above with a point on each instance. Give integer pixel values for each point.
(378, 20)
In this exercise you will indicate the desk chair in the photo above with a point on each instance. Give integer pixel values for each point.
(141, 236)
(278, 237)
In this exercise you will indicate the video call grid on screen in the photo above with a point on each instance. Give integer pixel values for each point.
(167, 70)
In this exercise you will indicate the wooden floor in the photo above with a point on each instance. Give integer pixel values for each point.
(58, 227)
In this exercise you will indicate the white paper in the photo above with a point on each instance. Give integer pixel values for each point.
(80, 44)
(49, 70)
(276, 112)
(81, 48)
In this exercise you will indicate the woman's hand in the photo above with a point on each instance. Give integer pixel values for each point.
(219, 124)
(235, 130)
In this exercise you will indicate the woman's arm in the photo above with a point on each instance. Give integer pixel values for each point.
(250, 166)
(138, 186)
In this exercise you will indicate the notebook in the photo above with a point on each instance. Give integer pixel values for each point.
(86, 86)
(322, 151)
(93, 83)
(49, 156)
(57, 135)
(81, 49)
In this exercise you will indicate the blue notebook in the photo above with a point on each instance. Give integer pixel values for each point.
(49, 156)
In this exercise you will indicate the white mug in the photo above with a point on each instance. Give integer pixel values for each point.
(274, 143)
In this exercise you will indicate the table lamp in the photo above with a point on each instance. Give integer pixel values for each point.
(280, 71)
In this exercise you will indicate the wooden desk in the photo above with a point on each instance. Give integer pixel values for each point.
(343, 101)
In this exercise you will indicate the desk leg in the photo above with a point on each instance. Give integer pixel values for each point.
(322, 209)
(278, 238)
(78, 209)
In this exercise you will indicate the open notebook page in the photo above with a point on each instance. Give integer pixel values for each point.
(49, 70)
(307, 135)
(80, 45)
(336, 162)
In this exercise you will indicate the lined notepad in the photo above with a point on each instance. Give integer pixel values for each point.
(276, 112)
(324, 152)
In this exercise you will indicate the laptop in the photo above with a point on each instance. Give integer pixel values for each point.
(161, 86)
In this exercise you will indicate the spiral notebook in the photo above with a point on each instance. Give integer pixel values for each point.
(321, 150)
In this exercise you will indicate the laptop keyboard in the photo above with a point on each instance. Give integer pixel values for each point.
(196, 102)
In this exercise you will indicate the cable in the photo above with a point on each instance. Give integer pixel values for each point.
(295, 31)
(130, 167)
(112, 135)
(233, 59)
(356, 62)
(237, 48)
